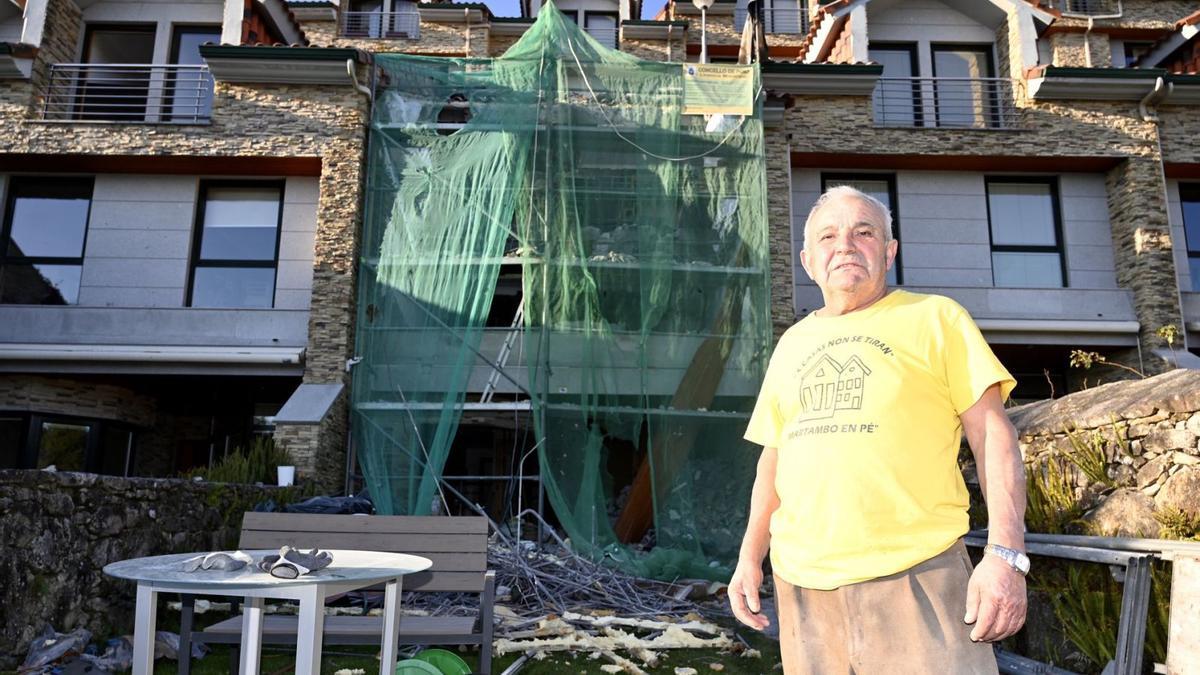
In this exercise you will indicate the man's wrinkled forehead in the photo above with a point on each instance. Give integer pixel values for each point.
(846, 211)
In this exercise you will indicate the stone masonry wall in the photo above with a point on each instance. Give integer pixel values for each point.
(1142, 250)
(1149, 432)
(434, 38)
(35, 393)
(779, 228)
(1067, 50)
(60, 529)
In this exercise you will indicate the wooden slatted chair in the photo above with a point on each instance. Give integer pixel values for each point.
(457, 546)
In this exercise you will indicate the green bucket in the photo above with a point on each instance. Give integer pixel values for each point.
(415, 667)
(446, 662)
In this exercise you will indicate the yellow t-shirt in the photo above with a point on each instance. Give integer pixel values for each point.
(864, 411)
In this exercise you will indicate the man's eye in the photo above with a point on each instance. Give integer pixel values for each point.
(866, 233)
(826, 236)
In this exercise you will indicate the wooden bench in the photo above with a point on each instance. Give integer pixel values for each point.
(456, 545)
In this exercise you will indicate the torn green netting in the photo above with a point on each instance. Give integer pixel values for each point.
(640, 233)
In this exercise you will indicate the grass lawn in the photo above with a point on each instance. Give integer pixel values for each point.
(279, 660)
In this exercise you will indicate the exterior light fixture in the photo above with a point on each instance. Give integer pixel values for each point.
(703, 6)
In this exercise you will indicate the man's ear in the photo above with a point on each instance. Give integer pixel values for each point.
(804, 263)
(893, 247)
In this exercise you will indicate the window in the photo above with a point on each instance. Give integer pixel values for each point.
(45, 227)
(236, 246)
(881, 187)
(959, 98)
(36, 441)
(602, 26)
(1026, 233)
(898, 95)
(1134, 50)
(119, 92)
(189, 91)
(1189, 199)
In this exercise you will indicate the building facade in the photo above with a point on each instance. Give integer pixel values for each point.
(181, 190)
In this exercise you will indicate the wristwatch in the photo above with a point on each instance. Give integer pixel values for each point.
(1015, 559)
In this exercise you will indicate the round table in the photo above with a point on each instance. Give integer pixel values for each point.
(350, 570)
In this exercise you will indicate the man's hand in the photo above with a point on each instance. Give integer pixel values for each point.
(995, 600)
(743, 595)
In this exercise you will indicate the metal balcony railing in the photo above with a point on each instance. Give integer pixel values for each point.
(1087, 7)
(133, 93)
(606, 36)
(399, 24)
(778, 20)
(946, 102)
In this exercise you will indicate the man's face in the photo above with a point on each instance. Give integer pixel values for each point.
(845, 250)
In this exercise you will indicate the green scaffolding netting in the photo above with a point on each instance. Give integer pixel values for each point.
(639, 234)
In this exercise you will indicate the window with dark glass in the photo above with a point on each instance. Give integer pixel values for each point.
(1189, 200)
(1134, 50)
(898, 96)
(117, 84)
(881, 187)
(45, 227)
(236, 248)
(1026, 233)
(960, 99)
(38, 441)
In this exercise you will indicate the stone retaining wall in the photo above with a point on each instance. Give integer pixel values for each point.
(58, 530)
(1149, 431)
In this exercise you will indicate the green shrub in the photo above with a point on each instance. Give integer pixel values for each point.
(256, 465)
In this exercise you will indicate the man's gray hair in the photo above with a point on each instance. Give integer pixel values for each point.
(847, 191)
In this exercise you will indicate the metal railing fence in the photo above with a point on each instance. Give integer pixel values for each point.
(1087, 7)
(401, 23)
(791, 20)
(946, 102)
(133, 93)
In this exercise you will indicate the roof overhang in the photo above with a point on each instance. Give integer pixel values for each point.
(510, 25)
(39, 357)
(1167, 46)
(314, 11)
(1182, 90)
(284, 21)
(1052, 331)
(281, 65)
(1050, 83)
(821, 79)
(16, 60)
(719, 8)
(449, 12)
(653, 30)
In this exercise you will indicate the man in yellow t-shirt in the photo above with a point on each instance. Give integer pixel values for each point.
(858, 495)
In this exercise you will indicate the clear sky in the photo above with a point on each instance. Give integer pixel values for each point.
(512, 8)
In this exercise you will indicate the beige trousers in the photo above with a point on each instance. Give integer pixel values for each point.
(907, 623)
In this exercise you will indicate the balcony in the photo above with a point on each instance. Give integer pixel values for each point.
(382, 25)
(777, 20)
(606, 35)
(945, 102)
(1086, 7)
(129, 93)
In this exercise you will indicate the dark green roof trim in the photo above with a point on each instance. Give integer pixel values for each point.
(513, 19)
(832, 69)
(282, 53)
(455, 5)
(1103, 73)
(640, 22)
(6, 48)
(1184, 79)
(320, 4)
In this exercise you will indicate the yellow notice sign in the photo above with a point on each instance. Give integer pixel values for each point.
(710, 89)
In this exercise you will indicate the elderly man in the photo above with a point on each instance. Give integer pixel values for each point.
(858, 494)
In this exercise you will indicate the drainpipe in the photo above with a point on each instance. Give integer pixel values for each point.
(467, 20)
(1162, 89)
(353, 73)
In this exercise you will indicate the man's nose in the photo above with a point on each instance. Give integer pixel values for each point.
(844, 240)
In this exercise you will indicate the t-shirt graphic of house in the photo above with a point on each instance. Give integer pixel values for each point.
(828, 386)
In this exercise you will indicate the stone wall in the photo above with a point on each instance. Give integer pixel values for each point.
(60, 529)
(1149, 431)
(33, 393)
